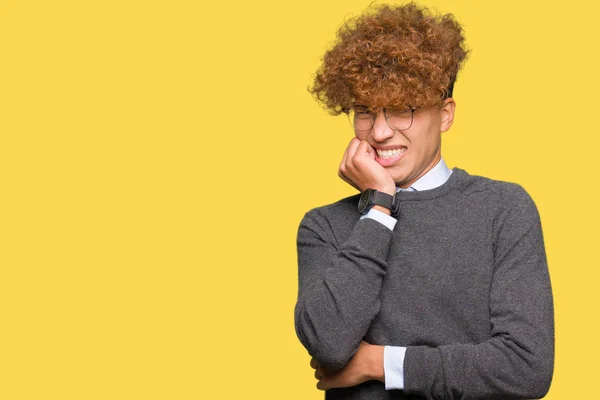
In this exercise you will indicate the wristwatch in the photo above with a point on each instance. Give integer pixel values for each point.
(371, 197)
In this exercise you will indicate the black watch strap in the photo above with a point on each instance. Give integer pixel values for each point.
(371, 197)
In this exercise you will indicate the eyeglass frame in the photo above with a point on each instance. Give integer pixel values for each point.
(447, 94)
(387, 119)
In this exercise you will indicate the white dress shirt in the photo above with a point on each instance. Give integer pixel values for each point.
(393, 356)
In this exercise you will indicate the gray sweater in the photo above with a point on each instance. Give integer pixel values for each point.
(462, 281)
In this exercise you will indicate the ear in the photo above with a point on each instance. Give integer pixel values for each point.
(447, 111)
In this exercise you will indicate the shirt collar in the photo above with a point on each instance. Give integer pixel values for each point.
(435, 177)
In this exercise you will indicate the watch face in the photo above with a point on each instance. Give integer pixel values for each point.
(364, 200)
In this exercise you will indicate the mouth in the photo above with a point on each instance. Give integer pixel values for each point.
(389, 157)
(385, 154)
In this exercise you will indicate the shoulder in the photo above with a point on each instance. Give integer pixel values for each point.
(503, 195)
(514, 214)
(341, 209)
(332, 219)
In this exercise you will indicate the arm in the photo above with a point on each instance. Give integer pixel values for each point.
(365, 365)
(339, 283)
(517, 362)
(369, 361)
(339, 286)
(382, 363)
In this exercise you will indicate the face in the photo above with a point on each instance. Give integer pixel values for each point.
(417, 149)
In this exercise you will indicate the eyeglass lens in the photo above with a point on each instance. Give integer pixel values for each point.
(363, 119)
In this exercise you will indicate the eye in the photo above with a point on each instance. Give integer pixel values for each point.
(401, 112)
(362, 111)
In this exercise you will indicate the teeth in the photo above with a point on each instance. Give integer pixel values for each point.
(390, 153)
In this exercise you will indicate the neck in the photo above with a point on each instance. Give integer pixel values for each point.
(432, 164)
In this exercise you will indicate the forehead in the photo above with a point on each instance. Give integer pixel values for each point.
(368, 106)
(374, 104)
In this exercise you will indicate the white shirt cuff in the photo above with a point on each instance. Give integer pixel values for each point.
(382, 217)
(393, 366)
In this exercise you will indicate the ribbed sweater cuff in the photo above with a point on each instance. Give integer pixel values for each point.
(421, 366)
(371, 237)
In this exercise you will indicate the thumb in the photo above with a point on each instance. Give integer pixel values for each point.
(364, 148)
(371, 151)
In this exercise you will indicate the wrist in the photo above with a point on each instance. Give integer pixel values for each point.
(376, 368)
(372, 197)
(391, 190)
(382, 209)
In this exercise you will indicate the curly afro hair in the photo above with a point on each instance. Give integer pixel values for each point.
(392, 56)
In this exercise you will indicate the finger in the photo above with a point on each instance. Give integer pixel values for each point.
(354, 143)
(348, 169)
(321, 384)
(325, 383)
(370, 151)
(345, 156)
(343, 172)
(314, 363)
(319, 373)
(363, 150)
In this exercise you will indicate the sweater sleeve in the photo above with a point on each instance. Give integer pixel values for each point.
(338, 286)
(517, 361)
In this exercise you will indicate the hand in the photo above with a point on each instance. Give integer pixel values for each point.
(365, 365)
(360, 170)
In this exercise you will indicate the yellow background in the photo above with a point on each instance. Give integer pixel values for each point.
(157, 157)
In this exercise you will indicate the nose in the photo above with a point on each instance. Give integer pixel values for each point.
(381, 129)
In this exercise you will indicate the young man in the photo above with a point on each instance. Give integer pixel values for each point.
(432, 283)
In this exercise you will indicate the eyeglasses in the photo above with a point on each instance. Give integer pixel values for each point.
(362, 118)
